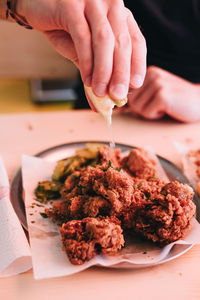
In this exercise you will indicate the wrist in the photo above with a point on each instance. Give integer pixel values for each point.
(15, 11)
(20, 8)
(4, 11)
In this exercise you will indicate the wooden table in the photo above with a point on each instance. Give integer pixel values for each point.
(31, 133)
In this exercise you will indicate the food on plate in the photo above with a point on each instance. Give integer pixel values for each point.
(84, 239)
(106, 195)
(105, 181)
(104, 105)
(140, 164)
(164, 217)
(48, 190)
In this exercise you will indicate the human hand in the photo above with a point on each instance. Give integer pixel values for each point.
(165, 93)
(100, 37)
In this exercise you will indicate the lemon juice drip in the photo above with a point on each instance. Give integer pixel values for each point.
(112, 142)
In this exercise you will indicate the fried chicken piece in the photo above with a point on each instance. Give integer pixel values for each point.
(71, 188)
(166, 218)
(144, 192)
(117, 187)
(63, 211)
(84, 239)
(140, 164)
(111, 184)
(72, 180)
(181, 191)
(88, 177)
(59, 212)
(78, 207)
(147, 189)
(96, 206)
(107, 154)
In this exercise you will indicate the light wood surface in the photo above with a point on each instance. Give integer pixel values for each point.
(27, 54)
(31, 133)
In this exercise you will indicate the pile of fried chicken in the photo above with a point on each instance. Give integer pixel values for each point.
(101, 201)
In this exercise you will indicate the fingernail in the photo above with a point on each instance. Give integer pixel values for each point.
(119, 91)
(137, 81)
(100, 89)
(88, 81)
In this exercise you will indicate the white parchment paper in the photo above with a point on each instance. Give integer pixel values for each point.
(15, 255)
(188, 163)
(48, 258)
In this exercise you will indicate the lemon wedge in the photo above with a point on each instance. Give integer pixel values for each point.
(104, 105)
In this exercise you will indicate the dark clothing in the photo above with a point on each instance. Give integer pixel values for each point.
(172, 32)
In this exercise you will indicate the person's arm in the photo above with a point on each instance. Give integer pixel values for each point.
(165, 93)
(8, 12)
(100, 37)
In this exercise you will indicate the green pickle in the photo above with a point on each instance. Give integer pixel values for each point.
(47, 190)
(83, 157)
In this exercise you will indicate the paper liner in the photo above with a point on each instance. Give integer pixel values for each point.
(159, 168)
(15, 256)
(48, 258)
(188, 163)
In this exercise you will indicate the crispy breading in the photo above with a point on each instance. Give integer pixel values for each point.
(110, 154)
(167, 217)
(111, 184)
(96, 206)
(84, 239)
(140, 164)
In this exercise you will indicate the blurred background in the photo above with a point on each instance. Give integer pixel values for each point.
(33, 76)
